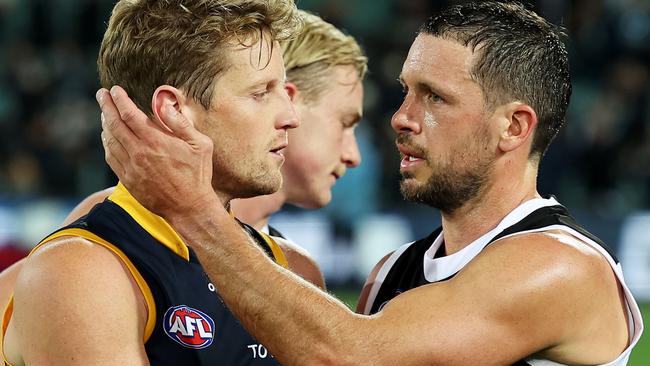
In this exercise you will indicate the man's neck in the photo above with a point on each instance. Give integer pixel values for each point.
(256, 211)
(483, 213)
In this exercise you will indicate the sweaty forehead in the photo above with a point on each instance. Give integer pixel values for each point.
(438, 58)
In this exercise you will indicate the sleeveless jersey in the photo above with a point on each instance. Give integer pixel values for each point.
(421, 262)
(188, 322)
(273, 232)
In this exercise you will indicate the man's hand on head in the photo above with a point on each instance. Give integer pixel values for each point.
(167, 169)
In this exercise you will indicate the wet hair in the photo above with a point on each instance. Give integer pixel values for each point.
(520, 57)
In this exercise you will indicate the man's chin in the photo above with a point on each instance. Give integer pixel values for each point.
(311, 200)
(410, 185)
(256, 188)
(269, 187)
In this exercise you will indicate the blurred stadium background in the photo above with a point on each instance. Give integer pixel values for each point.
(599, 167)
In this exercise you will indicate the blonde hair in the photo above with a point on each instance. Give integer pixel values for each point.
(311, 55)
(183, 43)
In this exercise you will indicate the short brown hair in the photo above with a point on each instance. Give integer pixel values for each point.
(521, 56)
(182, 43)
(310, 56)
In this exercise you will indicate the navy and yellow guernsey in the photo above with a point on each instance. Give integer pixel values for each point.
(188, 323)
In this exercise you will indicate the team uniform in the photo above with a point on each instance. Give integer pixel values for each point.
(423, 262)
(188, 323)
(273, 232)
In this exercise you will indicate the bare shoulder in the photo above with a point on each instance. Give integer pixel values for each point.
(557, 284)
(543, 294)
(87, 204)
(67, 258)
(555, 256)
(91, 298)
(7, 280)
(301, 262)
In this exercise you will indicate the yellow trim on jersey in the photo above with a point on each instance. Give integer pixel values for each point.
(142, 284)
(9, 308)
(152, 223)
(280, 258)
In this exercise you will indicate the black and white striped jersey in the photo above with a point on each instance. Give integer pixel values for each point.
(423, 261)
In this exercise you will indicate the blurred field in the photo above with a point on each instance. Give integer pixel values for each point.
(640, 356)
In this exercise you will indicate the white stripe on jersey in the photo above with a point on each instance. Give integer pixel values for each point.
(437, 269)
(381, 276)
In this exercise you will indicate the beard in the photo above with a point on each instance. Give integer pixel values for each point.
(450, 185)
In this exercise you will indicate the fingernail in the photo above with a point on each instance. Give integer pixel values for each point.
(99, 95)
(114, 91)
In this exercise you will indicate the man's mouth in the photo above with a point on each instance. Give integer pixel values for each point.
(279, 149)
(410, 157)
(339, 172)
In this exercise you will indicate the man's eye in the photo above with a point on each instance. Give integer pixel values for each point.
(261, 95)
(435, 97)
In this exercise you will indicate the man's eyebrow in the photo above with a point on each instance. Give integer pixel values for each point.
(426, 85)
(264, 82)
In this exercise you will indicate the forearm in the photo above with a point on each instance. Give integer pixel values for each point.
(268, 300)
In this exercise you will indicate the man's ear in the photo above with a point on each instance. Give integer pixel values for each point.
(519, 125)
(292, 90)
(165, 97)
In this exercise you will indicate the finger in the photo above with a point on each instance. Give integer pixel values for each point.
(137, 120)
(116, 166)
(112, 122)
(180, 126)
(115, 148)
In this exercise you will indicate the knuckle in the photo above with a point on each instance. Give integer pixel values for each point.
(110, 142)
(127, 115)
(109, 124)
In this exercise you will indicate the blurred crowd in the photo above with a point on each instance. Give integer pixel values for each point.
(49, 121)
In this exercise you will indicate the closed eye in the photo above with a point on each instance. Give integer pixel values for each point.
(261, 95)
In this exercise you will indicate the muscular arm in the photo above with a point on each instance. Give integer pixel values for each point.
(7, 280)
(483, 309)
(490, 313)
(8, 276)
(75, 304)
(500, 314)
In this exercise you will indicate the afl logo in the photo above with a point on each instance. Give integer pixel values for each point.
(189, 327)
